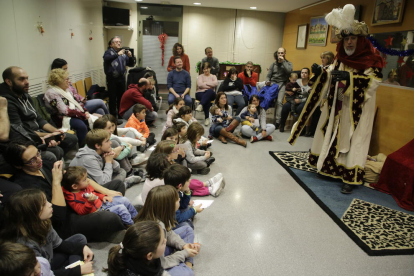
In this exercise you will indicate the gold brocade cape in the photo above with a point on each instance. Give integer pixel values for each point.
(341, 142)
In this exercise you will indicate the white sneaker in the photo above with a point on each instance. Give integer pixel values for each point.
(207, 122)
(199, 108)
(139, 159)
(216, 184)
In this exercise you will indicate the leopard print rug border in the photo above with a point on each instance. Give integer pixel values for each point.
(379, 227)
(295, 159)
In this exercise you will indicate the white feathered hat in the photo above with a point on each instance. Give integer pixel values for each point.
(343, 20)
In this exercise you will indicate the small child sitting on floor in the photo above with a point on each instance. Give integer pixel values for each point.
(137, 121)
(84, 200)
(249, 117)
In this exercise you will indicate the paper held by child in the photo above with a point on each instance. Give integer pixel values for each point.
(204, 203)
(76, 264)
(210, 141)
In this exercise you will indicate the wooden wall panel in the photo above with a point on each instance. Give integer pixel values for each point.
(306, 57)
(393, 126)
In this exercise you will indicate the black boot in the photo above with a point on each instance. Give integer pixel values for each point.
(347, 189)
(282, 128)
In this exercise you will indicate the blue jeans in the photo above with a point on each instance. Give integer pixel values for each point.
(122, 207)
(187, 234)
(216, 128)
(205, 99)
(239, 99)
(60, 260)
(81, 129)
(96, 106)
(187, 99)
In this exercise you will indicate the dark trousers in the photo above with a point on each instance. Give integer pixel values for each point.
(205, 99)
(81, 129)
(151, 139)
(66, 145)
(60, 260)
(7, 188)
(287, 108)
(116, 88)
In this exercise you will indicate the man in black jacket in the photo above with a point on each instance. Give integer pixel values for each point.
(25, 122)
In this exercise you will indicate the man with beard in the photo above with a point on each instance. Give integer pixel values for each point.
(179, 83)
(347, 91)
(136, 95)
(25, 122)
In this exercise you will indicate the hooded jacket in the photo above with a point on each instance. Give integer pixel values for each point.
(98, 170)
(21, 110)
(131, 97)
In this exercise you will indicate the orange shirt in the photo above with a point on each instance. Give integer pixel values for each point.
(140, 126)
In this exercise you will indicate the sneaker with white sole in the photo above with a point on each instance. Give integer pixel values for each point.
(199, 108)
(217, 178)
(207, 122)
(217, 187)
(140, 158)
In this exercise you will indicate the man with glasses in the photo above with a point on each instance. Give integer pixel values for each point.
(279, 72)
(115, 62)
(26, 123)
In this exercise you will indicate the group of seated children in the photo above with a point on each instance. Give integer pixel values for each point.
(159, 240)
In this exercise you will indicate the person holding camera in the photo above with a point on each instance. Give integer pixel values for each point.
(115, 62)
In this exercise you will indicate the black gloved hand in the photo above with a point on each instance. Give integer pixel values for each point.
(316, 69)
(340, 75)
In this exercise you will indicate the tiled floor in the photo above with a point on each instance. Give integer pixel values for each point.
(264, 223)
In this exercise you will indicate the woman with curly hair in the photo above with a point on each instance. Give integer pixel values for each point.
(178, 50)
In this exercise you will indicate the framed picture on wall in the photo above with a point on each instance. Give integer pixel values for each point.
(387, 12)
(301, 39)
(318, 31)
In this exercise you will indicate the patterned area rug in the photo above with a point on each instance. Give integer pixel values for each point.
(294, 159)
(378, 230)
(380, 227)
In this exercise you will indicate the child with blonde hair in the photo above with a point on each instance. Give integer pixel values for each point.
(160, 206)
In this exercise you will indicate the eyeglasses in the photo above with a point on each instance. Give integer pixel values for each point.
(34, 159)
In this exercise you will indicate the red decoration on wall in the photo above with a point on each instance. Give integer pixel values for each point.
(410, 74)
(400, 60)
(388, 41)
(163, 39)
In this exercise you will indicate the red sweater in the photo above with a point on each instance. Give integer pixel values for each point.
(246, 80)
(80, 204)
(131, 97)
(186, 63)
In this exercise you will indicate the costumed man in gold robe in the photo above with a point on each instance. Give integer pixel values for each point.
(345, 92)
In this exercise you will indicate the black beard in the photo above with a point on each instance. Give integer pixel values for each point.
(17, 89)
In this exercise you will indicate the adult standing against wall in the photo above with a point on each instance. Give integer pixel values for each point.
(214, 62)
(179, 83)
(178, 51)
(206, 84)
(115, 62)
(248, 76)
(279, 72)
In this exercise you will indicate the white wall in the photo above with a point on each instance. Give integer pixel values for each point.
(23, 45)
(236, 36)
(129, 37)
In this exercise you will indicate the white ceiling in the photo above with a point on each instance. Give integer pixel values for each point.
(262, 5)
